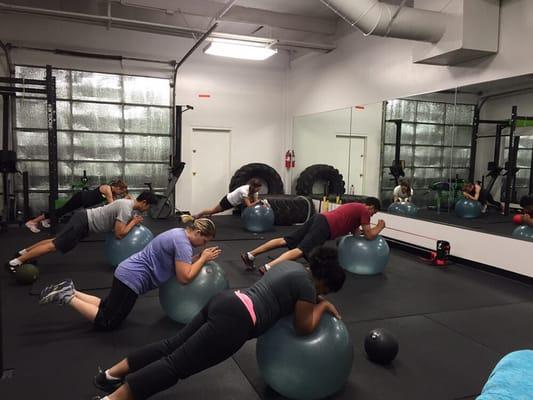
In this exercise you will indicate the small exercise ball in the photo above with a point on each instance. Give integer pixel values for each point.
(381, 346)
(523, 232)
(26, 274)
(305, 367)
(466, 208)
(363, 257)
(258, 218)
(117, 251)
(517, 219)
(182, 302)
(405, 209)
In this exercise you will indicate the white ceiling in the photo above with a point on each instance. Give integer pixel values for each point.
(298, 25)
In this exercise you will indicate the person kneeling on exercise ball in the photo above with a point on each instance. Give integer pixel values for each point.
(474, 192)
(168, 256)
(117, 216)
(319, 228)
(222, 327)
(245, 194)
(82, 199)
(403, 192)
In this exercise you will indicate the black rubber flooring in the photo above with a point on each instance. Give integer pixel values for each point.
(453, 325)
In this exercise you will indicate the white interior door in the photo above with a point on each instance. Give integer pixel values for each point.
(357, 165)
(210, 166)
(354, 176)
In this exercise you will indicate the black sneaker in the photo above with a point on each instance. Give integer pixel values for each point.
(247, 261)
(104, 384)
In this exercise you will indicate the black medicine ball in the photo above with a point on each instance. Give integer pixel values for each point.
(381, 346)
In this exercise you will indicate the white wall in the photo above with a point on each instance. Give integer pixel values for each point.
(247, 97)
(365, 70)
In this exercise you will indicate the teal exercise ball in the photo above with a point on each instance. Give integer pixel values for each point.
(363, 257)
(117, 250)
(523, 232)
(26, 274)
(466, 208)
(258, 218)
(307, 367)
(405, 209)
(182, 302)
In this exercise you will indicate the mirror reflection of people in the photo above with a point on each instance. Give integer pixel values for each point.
(248, 195)
(403, 192)
(473, 191)
(526, 202)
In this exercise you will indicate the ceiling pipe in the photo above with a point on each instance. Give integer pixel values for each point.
(375, 18)
(141, 26)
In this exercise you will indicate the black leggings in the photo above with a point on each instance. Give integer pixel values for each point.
(72, 204)
(214, 334)
(486, 198)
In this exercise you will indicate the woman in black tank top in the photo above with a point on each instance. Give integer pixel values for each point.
(81, 199)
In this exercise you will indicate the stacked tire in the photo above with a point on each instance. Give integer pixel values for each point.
(320, 173)
(290, 210)
(271, 180)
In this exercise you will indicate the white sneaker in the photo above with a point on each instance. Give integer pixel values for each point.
(46, 223)
(32, 227)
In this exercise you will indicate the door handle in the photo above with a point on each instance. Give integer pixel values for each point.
(194, 174)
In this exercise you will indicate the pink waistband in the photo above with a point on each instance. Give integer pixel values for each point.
(248, 304)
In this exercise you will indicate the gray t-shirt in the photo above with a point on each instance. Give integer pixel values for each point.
(102, 219)
(275, 295)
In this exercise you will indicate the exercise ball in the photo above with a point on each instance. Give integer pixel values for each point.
(523, 232)
(517, 219)
(117, 251)
(305, 367)
(466, 208)
(363, 257)
(182, 302)
(258, 218)
(26, 274)
(381, 346)
(405, 209)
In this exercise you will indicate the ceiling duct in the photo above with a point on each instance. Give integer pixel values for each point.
(462, 31)
(375, 18)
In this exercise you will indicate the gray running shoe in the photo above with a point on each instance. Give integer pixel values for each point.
(58, 296)
(63, 284)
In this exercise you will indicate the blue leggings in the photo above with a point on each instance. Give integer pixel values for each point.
(214, 334)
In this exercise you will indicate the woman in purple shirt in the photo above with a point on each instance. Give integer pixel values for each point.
(169, 255)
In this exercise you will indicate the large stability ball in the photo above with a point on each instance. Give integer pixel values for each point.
(26, 274)
(258, 218)
(117, 251)
(363, 257)
(182, 302)
(523, 232)
(381, 346)
(466, 208)
(405, 209)
(305, 367)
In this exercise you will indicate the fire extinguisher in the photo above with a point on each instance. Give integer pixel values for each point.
(288, 159)
(293, 159)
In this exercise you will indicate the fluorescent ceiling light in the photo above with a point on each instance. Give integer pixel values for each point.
(242, 49)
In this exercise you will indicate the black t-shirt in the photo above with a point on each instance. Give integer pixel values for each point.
(275, 295)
